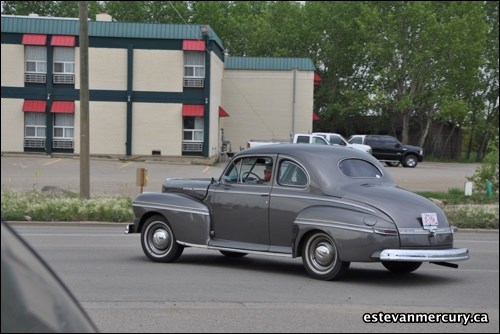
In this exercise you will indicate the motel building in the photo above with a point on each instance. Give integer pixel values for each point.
(155, 90)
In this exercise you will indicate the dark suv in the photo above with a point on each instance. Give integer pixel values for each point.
(389, 150)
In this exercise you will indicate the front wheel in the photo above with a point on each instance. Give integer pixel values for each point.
(401, 267)
(158, 240)
(410, 161)
(321, 258)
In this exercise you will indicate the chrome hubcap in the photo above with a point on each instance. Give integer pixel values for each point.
(323, 254)
(161, 239)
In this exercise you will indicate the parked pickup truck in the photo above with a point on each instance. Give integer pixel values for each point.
(320, 138)
(297, 139)
(255, 142)
(301, 138)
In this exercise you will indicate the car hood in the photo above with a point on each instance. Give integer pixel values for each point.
(404, 207)
(412, 148)
(196, 188)
(362, 146)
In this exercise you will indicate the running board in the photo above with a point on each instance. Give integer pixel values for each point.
(236, 250)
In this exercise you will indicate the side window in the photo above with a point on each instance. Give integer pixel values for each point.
(64, 65)
(395, 142)
(356, 140)
(249, 170)
(373, 141)
(303, 139)
(336, 140)
(193, 134)
(34, 129)
(35, 64)
(320, 140)
(194, 69)
(291, 174)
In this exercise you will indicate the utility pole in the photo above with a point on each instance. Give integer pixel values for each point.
(84, 101)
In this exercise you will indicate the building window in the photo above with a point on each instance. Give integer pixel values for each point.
(63, 131)
(192, 140)
(64, 65)
(34, 130)
(194, 68)
(35, 60)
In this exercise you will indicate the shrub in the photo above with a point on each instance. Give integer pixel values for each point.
(37, 206)
(488, 171)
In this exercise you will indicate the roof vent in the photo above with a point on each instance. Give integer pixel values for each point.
(104, 17)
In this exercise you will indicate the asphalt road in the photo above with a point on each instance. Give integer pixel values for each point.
(112, 177)
(206, 292)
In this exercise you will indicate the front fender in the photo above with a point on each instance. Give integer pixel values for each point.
(357, 234)
(188, 217)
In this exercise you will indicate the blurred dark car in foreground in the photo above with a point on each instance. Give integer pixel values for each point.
(34, 299)
(329, 205)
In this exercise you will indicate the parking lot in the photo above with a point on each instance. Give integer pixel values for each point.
(117, 177)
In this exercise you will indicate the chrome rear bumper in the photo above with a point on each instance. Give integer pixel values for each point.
(425, 255)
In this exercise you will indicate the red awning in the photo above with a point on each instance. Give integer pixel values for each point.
(62, 40)
(222, 112)
(317, 79)
(193, 110)
(316, 117)
(193, 45)
(34, 105)
(34, 39)
(63, 106)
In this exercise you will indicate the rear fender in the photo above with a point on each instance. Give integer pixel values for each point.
(189, 218)
(357, 234)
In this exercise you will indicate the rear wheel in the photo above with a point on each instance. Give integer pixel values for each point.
(402, 267)
(321, 258)
(158, 240)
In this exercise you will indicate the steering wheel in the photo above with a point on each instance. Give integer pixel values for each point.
(245, 177)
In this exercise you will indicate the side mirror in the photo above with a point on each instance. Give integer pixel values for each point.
(214, 182)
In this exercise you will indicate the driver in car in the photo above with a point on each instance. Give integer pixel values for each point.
(268, 173)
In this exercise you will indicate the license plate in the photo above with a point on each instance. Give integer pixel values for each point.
(430, 220)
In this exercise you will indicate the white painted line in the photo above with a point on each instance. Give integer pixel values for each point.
(125, 165)
(51, 162)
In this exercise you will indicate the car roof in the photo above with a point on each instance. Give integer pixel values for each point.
(305, 150)
(321, 161)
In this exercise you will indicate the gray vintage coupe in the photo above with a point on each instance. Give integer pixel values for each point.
(329, 205)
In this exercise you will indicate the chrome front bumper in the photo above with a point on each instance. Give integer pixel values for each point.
(425, 255)
(130, 228)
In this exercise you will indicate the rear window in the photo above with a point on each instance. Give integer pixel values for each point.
(359, 168)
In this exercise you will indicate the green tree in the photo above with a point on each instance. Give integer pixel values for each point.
(42, 8)
(49, 8)
(393, 63)
(127, 11)
(337, 45)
